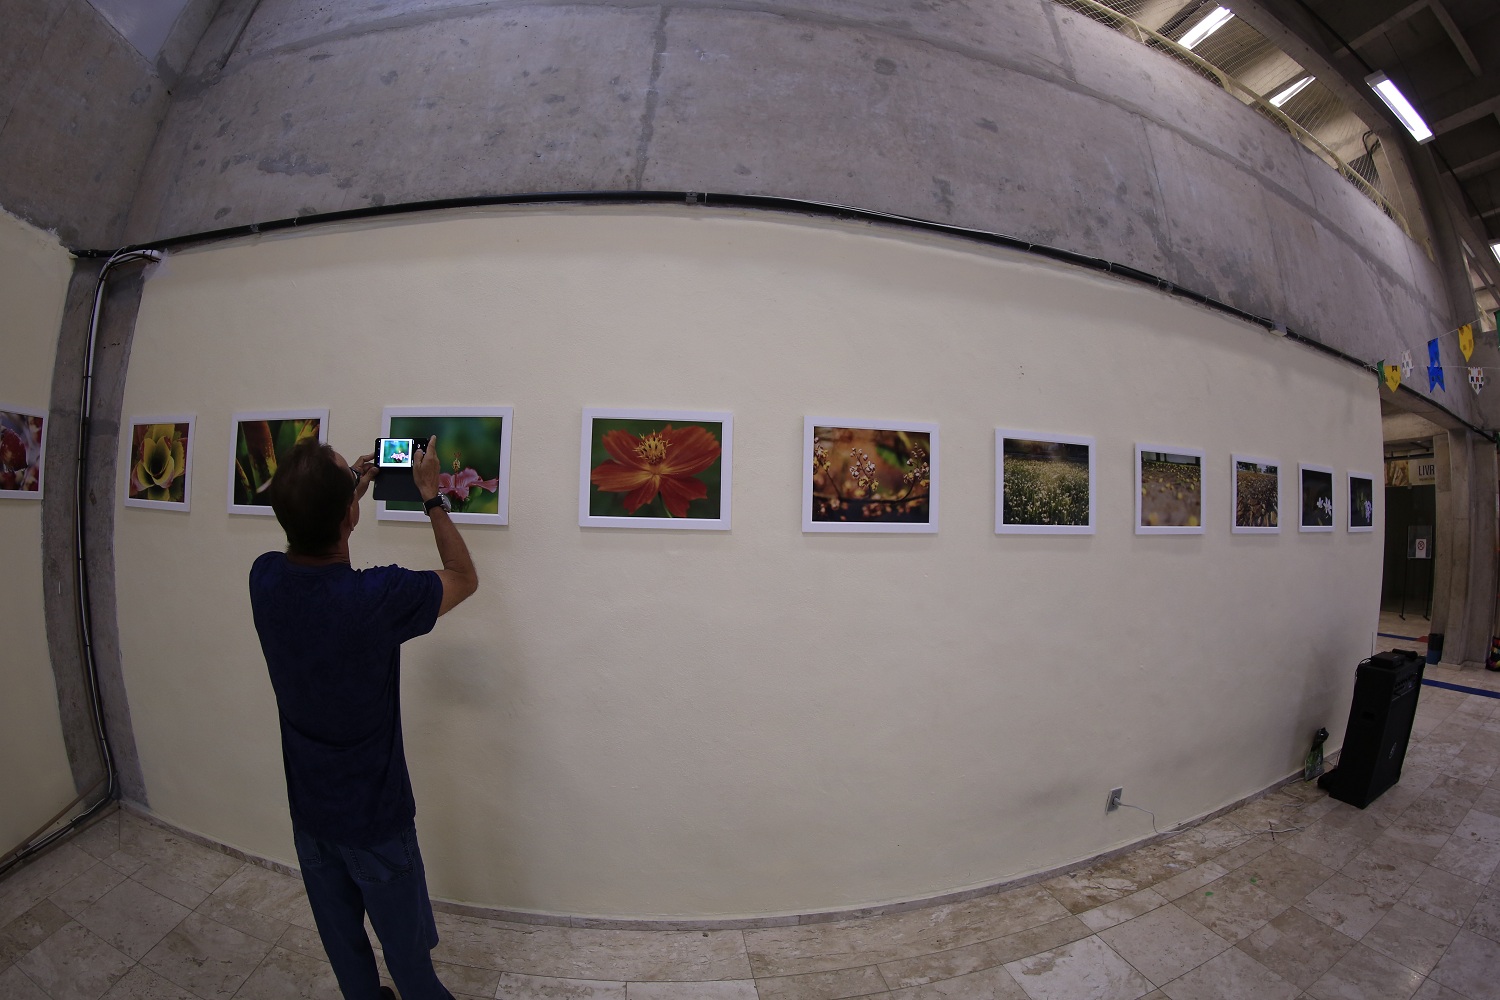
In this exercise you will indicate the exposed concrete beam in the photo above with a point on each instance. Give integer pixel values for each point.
(1408, 426)
(1456, 36)
(1472, 113)
(1409, 11)
(1473, 168)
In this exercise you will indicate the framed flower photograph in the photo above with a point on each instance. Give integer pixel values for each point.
(655, 469)
(23, 440)
(258, 441)
(1361, 501)
(870, 476)
(473, 450)
(159, 467)
(1317, 498)
(1257, 496)
(1043, 484)
(1168, 490)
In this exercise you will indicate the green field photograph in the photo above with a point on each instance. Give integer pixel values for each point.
(1043, 485)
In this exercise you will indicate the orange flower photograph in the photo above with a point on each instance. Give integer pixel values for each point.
(655, 469)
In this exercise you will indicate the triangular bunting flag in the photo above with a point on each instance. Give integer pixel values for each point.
(1434, 367)
(1391, 374)
(1466, 340)
(1407, 365)
(1476, 379)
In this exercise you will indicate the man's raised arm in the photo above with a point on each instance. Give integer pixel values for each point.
(458, 574)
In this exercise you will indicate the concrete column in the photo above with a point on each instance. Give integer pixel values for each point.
(1464, 573)
(117, 327)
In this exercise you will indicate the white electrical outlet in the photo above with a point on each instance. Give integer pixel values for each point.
(1115, 794)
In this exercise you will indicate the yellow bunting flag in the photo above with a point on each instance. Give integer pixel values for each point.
(1391, 374)
(1466, 340)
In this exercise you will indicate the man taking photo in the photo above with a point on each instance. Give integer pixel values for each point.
(332, 639)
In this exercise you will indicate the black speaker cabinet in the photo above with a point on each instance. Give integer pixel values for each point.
(1386, 687)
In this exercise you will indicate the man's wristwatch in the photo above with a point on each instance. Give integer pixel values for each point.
(441, 500)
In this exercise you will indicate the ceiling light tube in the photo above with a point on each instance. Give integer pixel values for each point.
(1288, 93)
(1399, 105)
(1495, 249)
(1216, 19)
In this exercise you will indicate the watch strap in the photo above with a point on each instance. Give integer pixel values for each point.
(438, 501)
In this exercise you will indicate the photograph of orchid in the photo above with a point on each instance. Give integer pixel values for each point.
(21, 440)
(1317, 498)
(473, 451)
(260, 441)
(655, 469)
(158, 467)
(870, 476)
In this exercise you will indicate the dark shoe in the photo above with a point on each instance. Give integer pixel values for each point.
(386, 993)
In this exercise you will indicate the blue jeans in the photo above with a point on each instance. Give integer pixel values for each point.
(389, 883)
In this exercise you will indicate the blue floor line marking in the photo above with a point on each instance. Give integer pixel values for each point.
(1465, 690)
(1408, 638)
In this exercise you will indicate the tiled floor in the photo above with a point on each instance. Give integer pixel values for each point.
(1292, 896)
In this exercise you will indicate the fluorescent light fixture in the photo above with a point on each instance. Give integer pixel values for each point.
(1399, 105)
(1288, 93)
(1495, 249)
(1215, 20)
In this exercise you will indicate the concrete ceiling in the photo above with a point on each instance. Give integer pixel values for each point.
(145, 24)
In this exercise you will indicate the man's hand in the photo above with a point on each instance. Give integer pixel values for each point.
(424, 470)
(366, 467)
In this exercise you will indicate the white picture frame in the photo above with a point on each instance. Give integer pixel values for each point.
(1362, 519)
(134, 490)
(30, 429)
(1158, 513)
(1245, 506)
(258, 487)
(1043, 500)
(824, 512)
(464, 481)
(1319, 480)
(630, 462)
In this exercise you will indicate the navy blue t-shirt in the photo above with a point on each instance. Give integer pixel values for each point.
(332, 639)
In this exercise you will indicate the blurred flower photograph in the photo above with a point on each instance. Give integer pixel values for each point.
(1044, 484)
(158, 467)
(1317, 498)
(1361, 502)
(655, 469)
(1257, 496)
(260, 442)
(1169, 491)
(473, 452)
(869, 476)
(21, 440)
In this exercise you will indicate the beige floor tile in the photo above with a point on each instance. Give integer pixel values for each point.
(1330, 846)
(244, 919)
(74, 964)
(132, 918)
(1488, 801)
(1231, 908)
(1250, 849)
(1384, 869)
(517, 987)
(1285, 874)
(23, 889)
(15, 985)
(1122, 909)
(1443, 895)
(625, 955)
(1418, 839)
(286, 975)
(80, 893)
(1484, 919)
(1297, 947)
(101, 838)
(723, 990)
(1470, 967)
(1415, 939)
(1191, 880)
(1474, 849)
(1347, 906)
(467, 981)
(264, 891)
(1164, 944)
(823, 985)
(207, 957)
(29, 930)
(990, 984)
(985, 955)
(186, 861)
(1364, 974)
(1232, 975)
(1434, 990)
(1084, 890)
(161, 880)
(1084, 970)
(140, 983)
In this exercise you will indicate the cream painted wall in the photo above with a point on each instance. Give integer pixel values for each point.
(35, 781)
(638, 723)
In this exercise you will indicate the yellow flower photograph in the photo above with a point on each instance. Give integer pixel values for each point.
(157, 468)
